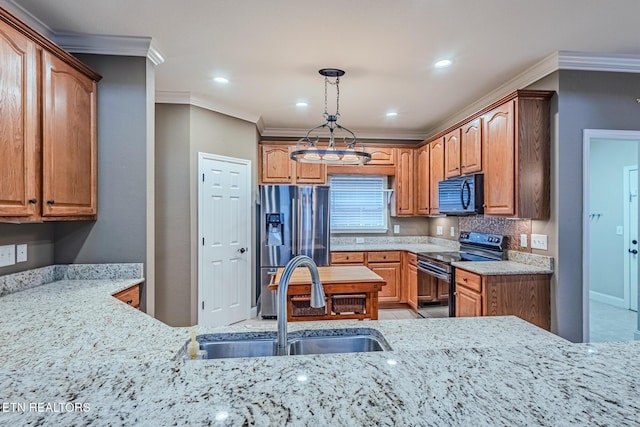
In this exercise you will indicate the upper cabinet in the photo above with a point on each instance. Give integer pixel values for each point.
(516, 156)
(403, 196)
(422, 188)
(278, 168)
(471, 147)
(452, 154)
(436, 173)
(47, 129)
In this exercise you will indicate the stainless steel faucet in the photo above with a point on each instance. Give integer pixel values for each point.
(317, 296)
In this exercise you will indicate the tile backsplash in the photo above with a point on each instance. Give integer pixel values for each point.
(511, 228)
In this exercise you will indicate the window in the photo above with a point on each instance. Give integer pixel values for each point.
(358, 204)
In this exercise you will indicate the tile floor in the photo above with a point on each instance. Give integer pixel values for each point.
(609, 323)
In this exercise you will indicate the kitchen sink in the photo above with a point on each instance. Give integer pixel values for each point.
(321, 341)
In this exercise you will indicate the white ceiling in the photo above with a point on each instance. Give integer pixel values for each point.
(271, 51)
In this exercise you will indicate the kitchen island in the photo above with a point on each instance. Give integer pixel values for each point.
(70, 341)
(357, 283)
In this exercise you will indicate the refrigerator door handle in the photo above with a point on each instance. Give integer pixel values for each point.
(294, 226)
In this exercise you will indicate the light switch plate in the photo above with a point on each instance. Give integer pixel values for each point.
(359, 239)
(7, 255)
(396, 228)
(619, 230)
(439, 230)
(21, 253)
(539, 241)
(453, 232)
(523, 240)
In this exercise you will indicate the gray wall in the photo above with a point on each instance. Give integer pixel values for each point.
(587, 100)
(606, 251)
(119, 234)
(181, 132)
(39, 239)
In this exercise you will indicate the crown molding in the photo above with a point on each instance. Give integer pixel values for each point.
(570, 60)
(109, 45)
(88, 43)
(169, 97)
(360, 133)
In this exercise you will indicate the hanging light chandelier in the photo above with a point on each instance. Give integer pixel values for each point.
(307, 150)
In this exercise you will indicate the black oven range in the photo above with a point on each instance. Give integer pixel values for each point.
(436, 281)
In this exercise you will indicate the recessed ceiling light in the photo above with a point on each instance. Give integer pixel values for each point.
(301, 104)
(442, 63)
(221, 80)
(392, 114)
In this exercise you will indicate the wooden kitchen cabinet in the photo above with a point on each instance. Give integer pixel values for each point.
(130, 296)
(516, 156)
(278, 168)
(411, 279)
(422, 188)
(436, 173)
(403, 195)
(47, 129)
(471, 147)
(386, 264)
(452, 154)
(524, 295)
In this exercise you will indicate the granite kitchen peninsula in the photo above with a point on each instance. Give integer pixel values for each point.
(70, 341)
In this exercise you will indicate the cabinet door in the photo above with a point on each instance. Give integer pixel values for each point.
(310, 173)
(499, 160)
(452, 154)
(276, 164)
(390, 272)
(468, 302)
(69, 175)
(18, 124)
(422, 187)
(404, 182)
(471, 147)
(381, 156)
(412, 280)
(436, 173)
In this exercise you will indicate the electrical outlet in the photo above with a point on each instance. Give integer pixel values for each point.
(619, 230)
(396, 228)
(539, 241)
(7, 255)
(439, 230)
(359, 239)
(21, 253)
(523, 240)
(452, 231)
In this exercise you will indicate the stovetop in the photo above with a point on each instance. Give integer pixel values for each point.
(473, 247)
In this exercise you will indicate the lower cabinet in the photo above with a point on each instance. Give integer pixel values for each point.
(411, 279)
(524, 295)
(130, 296)
(385, 264)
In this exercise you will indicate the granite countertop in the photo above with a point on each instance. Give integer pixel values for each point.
(490, 268)
(70, 341)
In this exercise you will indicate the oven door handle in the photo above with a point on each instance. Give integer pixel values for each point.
(437, 274)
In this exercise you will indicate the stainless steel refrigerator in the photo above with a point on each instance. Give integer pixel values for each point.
(292, 220)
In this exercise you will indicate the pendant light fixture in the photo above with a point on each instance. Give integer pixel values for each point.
(307, 150)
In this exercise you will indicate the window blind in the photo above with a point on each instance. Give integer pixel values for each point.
(358, 203)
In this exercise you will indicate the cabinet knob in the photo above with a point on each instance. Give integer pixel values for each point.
(51, 202)
(130, 302)
(33, 201)
(347, 257)
(464, 279)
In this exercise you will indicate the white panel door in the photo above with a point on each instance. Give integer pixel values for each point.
(224, 214)
(633, 237)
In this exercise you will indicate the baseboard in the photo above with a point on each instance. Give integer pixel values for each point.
(607, 299)
(254, 312)
(636, 335)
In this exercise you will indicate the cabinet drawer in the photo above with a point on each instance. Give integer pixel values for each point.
(386, 256)
(130, 296)
(347, 257)
(469, 280)
(412, 258)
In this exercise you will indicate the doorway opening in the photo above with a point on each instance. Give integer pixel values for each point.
(610, 230)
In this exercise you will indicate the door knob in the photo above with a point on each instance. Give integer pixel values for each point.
(633, 251)
(242, 250)
(634, 241)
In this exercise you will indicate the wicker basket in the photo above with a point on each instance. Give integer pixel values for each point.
(349, 303)
(302, 307)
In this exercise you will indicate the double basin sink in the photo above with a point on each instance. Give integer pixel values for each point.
(322, 341)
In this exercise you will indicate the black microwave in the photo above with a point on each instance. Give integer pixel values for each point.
(461, 195)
